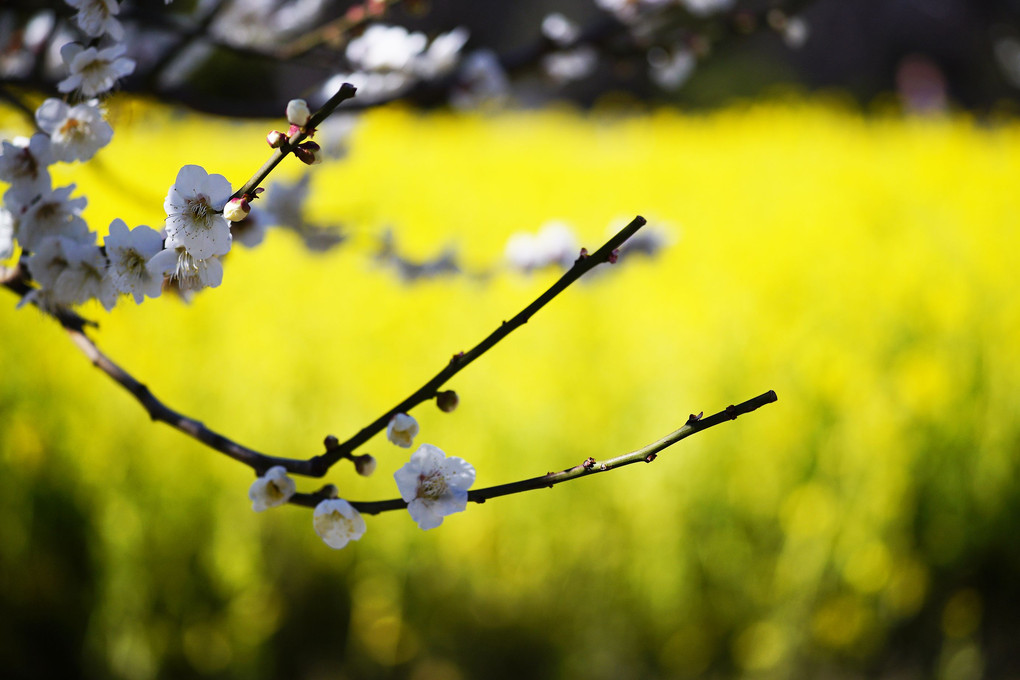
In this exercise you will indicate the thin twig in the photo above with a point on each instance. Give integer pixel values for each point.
(459, 361)
(645, 454)
(345, 92)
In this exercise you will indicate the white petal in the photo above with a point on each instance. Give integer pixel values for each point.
(423, 515)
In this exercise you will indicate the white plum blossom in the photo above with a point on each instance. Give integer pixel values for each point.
(670, 70)
(94, 71)
(482, 80)
(383, 47)
(23, 165)
(297, 112)
(190, 273)
(76, 132)
(271, 489)
(48, 261)
(85, 277)
(337, 522)
(97, 17)
(129, 252)
(402, 430)
(568, 65)
(442, 54)
(194, 207)
(55, 213)
(553, 244)
(74, 272)
(560, 29)
(433, 485)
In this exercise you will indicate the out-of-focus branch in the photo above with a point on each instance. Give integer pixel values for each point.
(459, 361)
(645, 454)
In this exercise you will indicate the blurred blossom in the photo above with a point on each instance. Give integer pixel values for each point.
(554, 244)
(433, 485)
(272, 489)
(383, 47)
(249, 233)
(482, 80)
(93, 71)
(560, 29)
(260, 22)
(23, 165)
(285, 202)
(76, 132)
(795, 32)
(129, 252)
(568, 65)
(337, 523)
(48, 260)
(670, 70)
(372, 87)
(55, 213)
(37, 30)
(97, 17)
(402, 430)
(73, 271)
(442, 55)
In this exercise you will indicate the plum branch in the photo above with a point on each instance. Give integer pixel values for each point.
(590, 466)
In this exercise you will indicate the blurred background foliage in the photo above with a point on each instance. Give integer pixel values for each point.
(863, 526)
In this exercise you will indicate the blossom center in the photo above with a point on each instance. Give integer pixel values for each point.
(342, 522)
(200, 210)
(72, 128)
(132, 262)
(432, 486)
(27, 165)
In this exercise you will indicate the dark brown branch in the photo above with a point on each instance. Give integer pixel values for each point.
(645, 454)
(459, 361)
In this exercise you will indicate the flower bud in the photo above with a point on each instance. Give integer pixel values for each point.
(297, 112)
(447, 401)
(236, 209)
(365, 465)
(310, 153)
(275, 139)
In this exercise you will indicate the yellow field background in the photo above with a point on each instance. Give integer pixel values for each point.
(863, 267)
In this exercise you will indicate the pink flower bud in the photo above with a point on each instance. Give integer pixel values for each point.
(275, 139)
(297, 112)
(236, 209)
(310, 153)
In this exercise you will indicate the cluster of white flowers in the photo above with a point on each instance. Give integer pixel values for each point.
(59, 248)
(567, 63)
(387, 60)
(432, 484)
(554, 244)
(61, 251)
